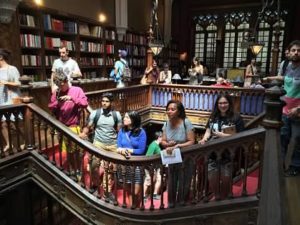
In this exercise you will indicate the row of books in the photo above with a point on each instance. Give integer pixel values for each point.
(30, 40)
(49, 59)
(110, 34)
(135, 39)
(109, 61)
(95, 31)
(59, 25)
(91, 47)
(89, 74)
(52, 43)
(135, 50)
(137, 72)
(27, 20)
(84, 61)
(137, 62)
(31, 60)
(110, 49)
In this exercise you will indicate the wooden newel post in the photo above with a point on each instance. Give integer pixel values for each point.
(149, 57)
(28, 118)
(272, 186)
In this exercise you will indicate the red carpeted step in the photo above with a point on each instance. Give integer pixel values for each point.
(252, 181)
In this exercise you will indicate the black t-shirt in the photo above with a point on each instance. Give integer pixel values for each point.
(220, 122)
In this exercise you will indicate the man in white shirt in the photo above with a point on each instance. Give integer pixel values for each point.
(68, 65)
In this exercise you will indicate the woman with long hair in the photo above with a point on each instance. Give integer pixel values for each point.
(223, 122)
(196, 72)
(222, 118)
(132, 141)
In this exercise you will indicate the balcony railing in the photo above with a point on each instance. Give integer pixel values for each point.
(225, 182)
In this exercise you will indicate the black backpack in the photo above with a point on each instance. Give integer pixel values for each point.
(95, 121)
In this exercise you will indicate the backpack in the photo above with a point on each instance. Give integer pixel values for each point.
(126, 72)
(95, 121)
(285, 64)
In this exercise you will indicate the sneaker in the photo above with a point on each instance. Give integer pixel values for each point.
(156, 196)
(292, 171)
(111, 197)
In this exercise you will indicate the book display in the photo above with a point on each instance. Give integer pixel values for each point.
(136, 46)
(92, 45)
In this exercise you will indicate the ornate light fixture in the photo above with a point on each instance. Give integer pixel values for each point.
(250, 37)
(155, 39)
(256, 47)
(7, 8)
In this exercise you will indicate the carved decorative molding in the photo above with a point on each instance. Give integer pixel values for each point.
(89, 212)
(95, 211)
(59, 189)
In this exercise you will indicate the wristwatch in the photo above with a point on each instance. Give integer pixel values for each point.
(298, 109)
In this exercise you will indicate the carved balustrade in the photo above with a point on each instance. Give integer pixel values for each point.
(209, 183)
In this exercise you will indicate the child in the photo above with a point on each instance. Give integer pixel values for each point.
(153, 149)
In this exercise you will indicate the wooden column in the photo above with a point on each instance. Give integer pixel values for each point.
(271, 208)
(276, 50)
(28, 117)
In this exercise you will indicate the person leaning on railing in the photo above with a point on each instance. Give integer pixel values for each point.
(223, 122)
(132, 140)
(178, 132)
(66, 104)
(106, 122)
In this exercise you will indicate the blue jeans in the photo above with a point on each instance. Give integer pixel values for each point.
(290, 134)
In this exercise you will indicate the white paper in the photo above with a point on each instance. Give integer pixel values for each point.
(175, 157)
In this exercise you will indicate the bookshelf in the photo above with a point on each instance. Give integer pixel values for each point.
(170, 55)
(136, 46)
(31, 43)
(91, 44)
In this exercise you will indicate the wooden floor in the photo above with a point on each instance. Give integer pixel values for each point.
(292, 185)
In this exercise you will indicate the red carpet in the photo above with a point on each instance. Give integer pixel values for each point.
(251, 187)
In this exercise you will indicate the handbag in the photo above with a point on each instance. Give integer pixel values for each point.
(144, 79)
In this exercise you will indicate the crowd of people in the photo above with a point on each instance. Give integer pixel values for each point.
(127, 137)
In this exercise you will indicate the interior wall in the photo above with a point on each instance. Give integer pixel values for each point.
(84, 8)
(139, 14)
(138, 10)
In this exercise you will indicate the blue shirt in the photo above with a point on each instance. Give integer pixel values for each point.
(136, 143)
(119, 66)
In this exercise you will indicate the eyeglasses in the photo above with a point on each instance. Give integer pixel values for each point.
(223, 103)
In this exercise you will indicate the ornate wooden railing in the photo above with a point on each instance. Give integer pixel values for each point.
(209, 185)
(198, 100)
(42, 135)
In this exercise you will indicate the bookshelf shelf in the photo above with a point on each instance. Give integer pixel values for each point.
(92, 45)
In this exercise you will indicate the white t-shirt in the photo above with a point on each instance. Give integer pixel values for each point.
(70, 66)
(7, 93)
